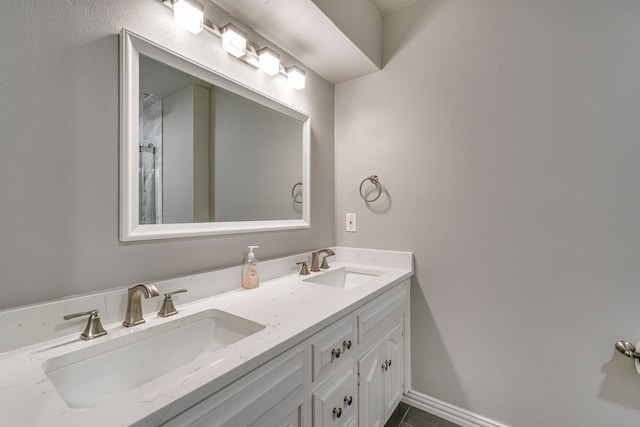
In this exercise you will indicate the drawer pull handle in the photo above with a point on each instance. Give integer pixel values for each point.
(336, 352)
(348, 400)
(385, 366)
(388, 362)
(347, 344)
(337, 412)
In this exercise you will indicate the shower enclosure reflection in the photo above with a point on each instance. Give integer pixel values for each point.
(150, 163)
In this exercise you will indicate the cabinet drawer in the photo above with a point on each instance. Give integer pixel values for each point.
(379, 312)
(331, 347)
(280, 382)
(335, 402)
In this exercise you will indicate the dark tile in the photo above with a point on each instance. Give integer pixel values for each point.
(398, 415)
(418, 418)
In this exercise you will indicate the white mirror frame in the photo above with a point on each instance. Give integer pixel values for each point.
(131, 46)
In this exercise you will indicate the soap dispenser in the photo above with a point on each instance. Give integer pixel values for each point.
(250, 276)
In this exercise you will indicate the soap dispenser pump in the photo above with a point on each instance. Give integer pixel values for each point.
(250, 276)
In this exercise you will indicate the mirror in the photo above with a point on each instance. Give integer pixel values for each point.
(202, 155)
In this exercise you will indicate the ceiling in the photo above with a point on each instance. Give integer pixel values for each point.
(389, 6)
(304, 31)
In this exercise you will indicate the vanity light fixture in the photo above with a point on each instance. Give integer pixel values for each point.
(296, 77)
(234, 40)
(189, 14)
(269, 61)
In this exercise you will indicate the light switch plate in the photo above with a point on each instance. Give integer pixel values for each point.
(351, 222)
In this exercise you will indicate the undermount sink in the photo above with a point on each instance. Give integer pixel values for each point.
(345, 277)
(87, 377)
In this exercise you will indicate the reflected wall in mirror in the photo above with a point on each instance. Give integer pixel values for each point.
(202, 155)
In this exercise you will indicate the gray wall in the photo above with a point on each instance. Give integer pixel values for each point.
(178, 146)
(251, 182)
(59, 152)
(507, 135)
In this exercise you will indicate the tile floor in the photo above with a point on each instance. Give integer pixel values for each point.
(408, 416)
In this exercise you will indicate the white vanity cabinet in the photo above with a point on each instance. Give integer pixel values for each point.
(270, 396)
(335, 377)
(375, 364)
(351, 373)
(381, 368)
(381, 379)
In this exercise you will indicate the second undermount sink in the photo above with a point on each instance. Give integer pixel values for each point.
(345, 277)
(87, 377)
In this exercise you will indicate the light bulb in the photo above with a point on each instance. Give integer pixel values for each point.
(234, 40)
(296, 77)
(269, 61)
(189, 14)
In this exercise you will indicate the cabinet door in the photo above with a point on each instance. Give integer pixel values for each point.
(393, 377)
(370, 392)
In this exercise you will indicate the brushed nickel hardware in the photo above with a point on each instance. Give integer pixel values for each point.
(346, 344)
(304, 270)
(386, 364)
(389, 362)
(336, 352)
(314, 258)
(348, 400)
(168, 309)
(337, 412)
(94, 327)
(375, 181)
(324, 265)
(628, 349)
(133, 315)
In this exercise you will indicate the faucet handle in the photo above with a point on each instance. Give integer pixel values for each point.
(304, 270)
(325, 264)
(94, 327)
(168, 309)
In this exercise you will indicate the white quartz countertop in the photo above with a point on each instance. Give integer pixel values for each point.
(291, 310)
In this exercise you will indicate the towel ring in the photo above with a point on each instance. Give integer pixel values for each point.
(293, 193)
(375, 181)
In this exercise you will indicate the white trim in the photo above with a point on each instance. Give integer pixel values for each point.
(131, 46)
(447, 411)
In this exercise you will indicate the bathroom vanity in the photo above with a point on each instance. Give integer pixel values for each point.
(327, 349)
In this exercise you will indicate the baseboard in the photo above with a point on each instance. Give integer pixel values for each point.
(447, 411)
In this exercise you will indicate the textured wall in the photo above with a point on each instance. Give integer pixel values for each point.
(508, 139)
(59, 152)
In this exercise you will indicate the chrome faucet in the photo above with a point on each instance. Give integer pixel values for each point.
(314, 259)
(134, 302)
